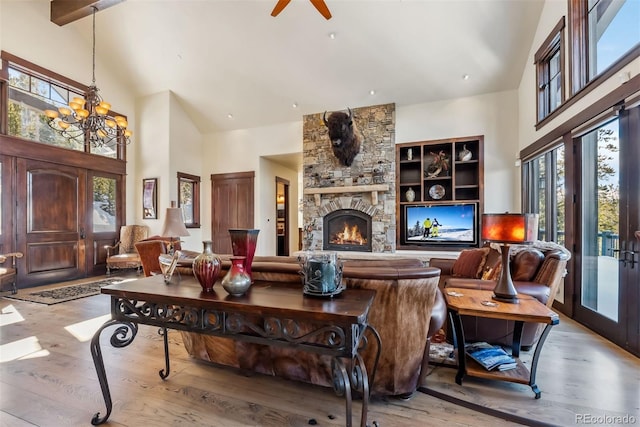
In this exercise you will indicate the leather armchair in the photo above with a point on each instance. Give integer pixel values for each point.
(123, 254)
(149, 252)
(8, 274)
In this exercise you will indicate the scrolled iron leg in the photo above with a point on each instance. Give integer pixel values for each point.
(360, 383)
(376, 335)
(164, 373)
(122, 337)
(342, 385)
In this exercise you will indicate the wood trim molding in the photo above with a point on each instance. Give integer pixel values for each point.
(617, 96)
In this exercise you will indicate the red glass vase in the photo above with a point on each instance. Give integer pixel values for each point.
(206, 267)
(243, 242)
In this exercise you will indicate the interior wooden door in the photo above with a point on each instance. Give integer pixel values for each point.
(50, 221)
(231, 207)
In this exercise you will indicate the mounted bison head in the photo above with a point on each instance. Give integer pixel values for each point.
(345, 141)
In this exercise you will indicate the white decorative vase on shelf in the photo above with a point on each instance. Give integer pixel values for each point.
(410, 195)
(465, 155)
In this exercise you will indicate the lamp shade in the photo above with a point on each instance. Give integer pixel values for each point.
(174, 224)
(510, 228)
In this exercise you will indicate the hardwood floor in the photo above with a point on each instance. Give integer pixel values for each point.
(47, 378)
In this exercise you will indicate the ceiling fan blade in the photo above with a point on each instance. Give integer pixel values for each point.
(322, 8)
(279, 6)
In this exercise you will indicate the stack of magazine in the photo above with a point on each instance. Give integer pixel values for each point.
(491, 357)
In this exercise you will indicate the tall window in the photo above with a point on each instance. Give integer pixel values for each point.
(544, 177)
(29, 96)
(614, 28)
(549, 61)
(603, 32)
(30, 91)
(189, 199)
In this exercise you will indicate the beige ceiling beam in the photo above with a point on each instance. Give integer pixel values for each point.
(66, 11)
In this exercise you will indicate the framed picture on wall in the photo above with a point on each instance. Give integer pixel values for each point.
(150, 198)
(280, 228)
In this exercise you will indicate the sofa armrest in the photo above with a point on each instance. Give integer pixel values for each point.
(552, 272)
(444, 264)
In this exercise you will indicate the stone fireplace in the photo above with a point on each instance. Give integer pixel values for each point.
(347, 230)
(362, 194)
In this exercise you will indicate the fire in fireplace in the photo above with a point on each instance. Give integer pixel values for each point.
(347, 230)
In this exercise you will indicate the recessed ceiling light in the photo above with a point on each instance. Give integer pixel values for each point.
(229, 116)
(465, 77)
(332, 36)
(372, 92)
(294, 105)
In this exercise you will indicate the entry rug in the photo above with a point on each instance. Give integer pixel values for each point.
(64, 293)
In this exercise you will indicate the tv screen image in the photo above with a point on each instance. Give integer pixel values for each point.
(454, 224)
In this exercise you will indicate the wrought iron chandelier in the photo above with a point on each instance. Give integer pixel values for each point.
(90, 116)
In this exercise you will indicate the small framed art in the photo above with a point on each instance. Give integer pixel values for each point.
(150, 198)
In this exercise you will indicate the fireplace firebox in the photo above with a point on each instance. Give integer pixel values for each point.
(347, 230)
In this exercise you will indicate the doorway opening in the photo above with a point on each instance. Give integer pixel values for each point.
(282, 217)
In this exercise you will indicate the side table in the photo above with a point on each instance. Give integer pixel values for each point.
(476, 302)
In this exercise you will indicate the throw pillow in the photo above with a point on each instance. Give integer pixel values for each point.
(525, 264)
(470, 263)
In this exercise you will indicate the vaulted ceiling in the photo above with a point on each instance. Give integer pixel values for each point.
(232, 57)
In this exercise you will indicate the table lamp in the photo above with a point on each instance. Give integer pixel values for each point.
(173, 225)
(508, 229)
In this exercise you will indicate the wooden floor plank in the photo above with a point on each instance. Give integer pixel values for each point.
(579, 373)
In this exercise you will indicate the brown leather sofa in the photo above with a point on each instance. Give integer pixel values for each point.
(402, 313)
(536, 270)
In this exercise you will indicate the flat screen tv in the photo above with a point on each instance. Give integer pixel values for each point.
(453, 225)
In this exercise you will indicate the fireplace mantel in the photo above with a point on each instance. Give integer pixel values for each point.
(372, 188)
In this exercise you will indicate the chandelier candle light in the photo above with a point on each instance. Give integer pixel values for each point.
(508, 229)
(90, 117)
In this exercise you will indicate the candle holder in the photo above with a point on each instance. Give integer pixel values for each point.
(321, 273)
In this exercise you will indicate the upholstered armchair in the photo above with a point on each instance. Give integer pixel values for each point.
(8, 273)
(150, 251)
(123, 254)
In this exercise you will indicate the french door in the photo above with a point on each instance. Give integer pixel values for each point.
(608, 210)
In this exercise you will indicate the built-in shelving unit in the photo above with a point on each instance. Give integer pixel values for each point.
(423, 180)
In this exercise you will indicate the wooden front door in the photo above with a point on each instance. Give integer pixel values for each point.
(50, 221)
(231, 207)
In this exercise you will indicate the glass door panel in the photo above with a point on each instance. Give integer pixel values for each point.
(600, 220)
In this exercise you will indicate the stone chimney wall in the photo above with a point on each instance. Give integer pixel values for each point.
(374, 164)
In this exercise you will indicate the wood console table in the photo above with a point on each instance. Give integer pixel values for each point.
(470, 302)
(338, 325)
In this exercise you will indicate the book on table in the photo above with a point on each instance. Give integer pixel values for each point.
(491, 357)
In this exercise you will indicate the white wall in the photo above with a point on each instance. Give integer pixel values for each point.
(493, 115)
(185, 155)
(242, 151)
(266, 199)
